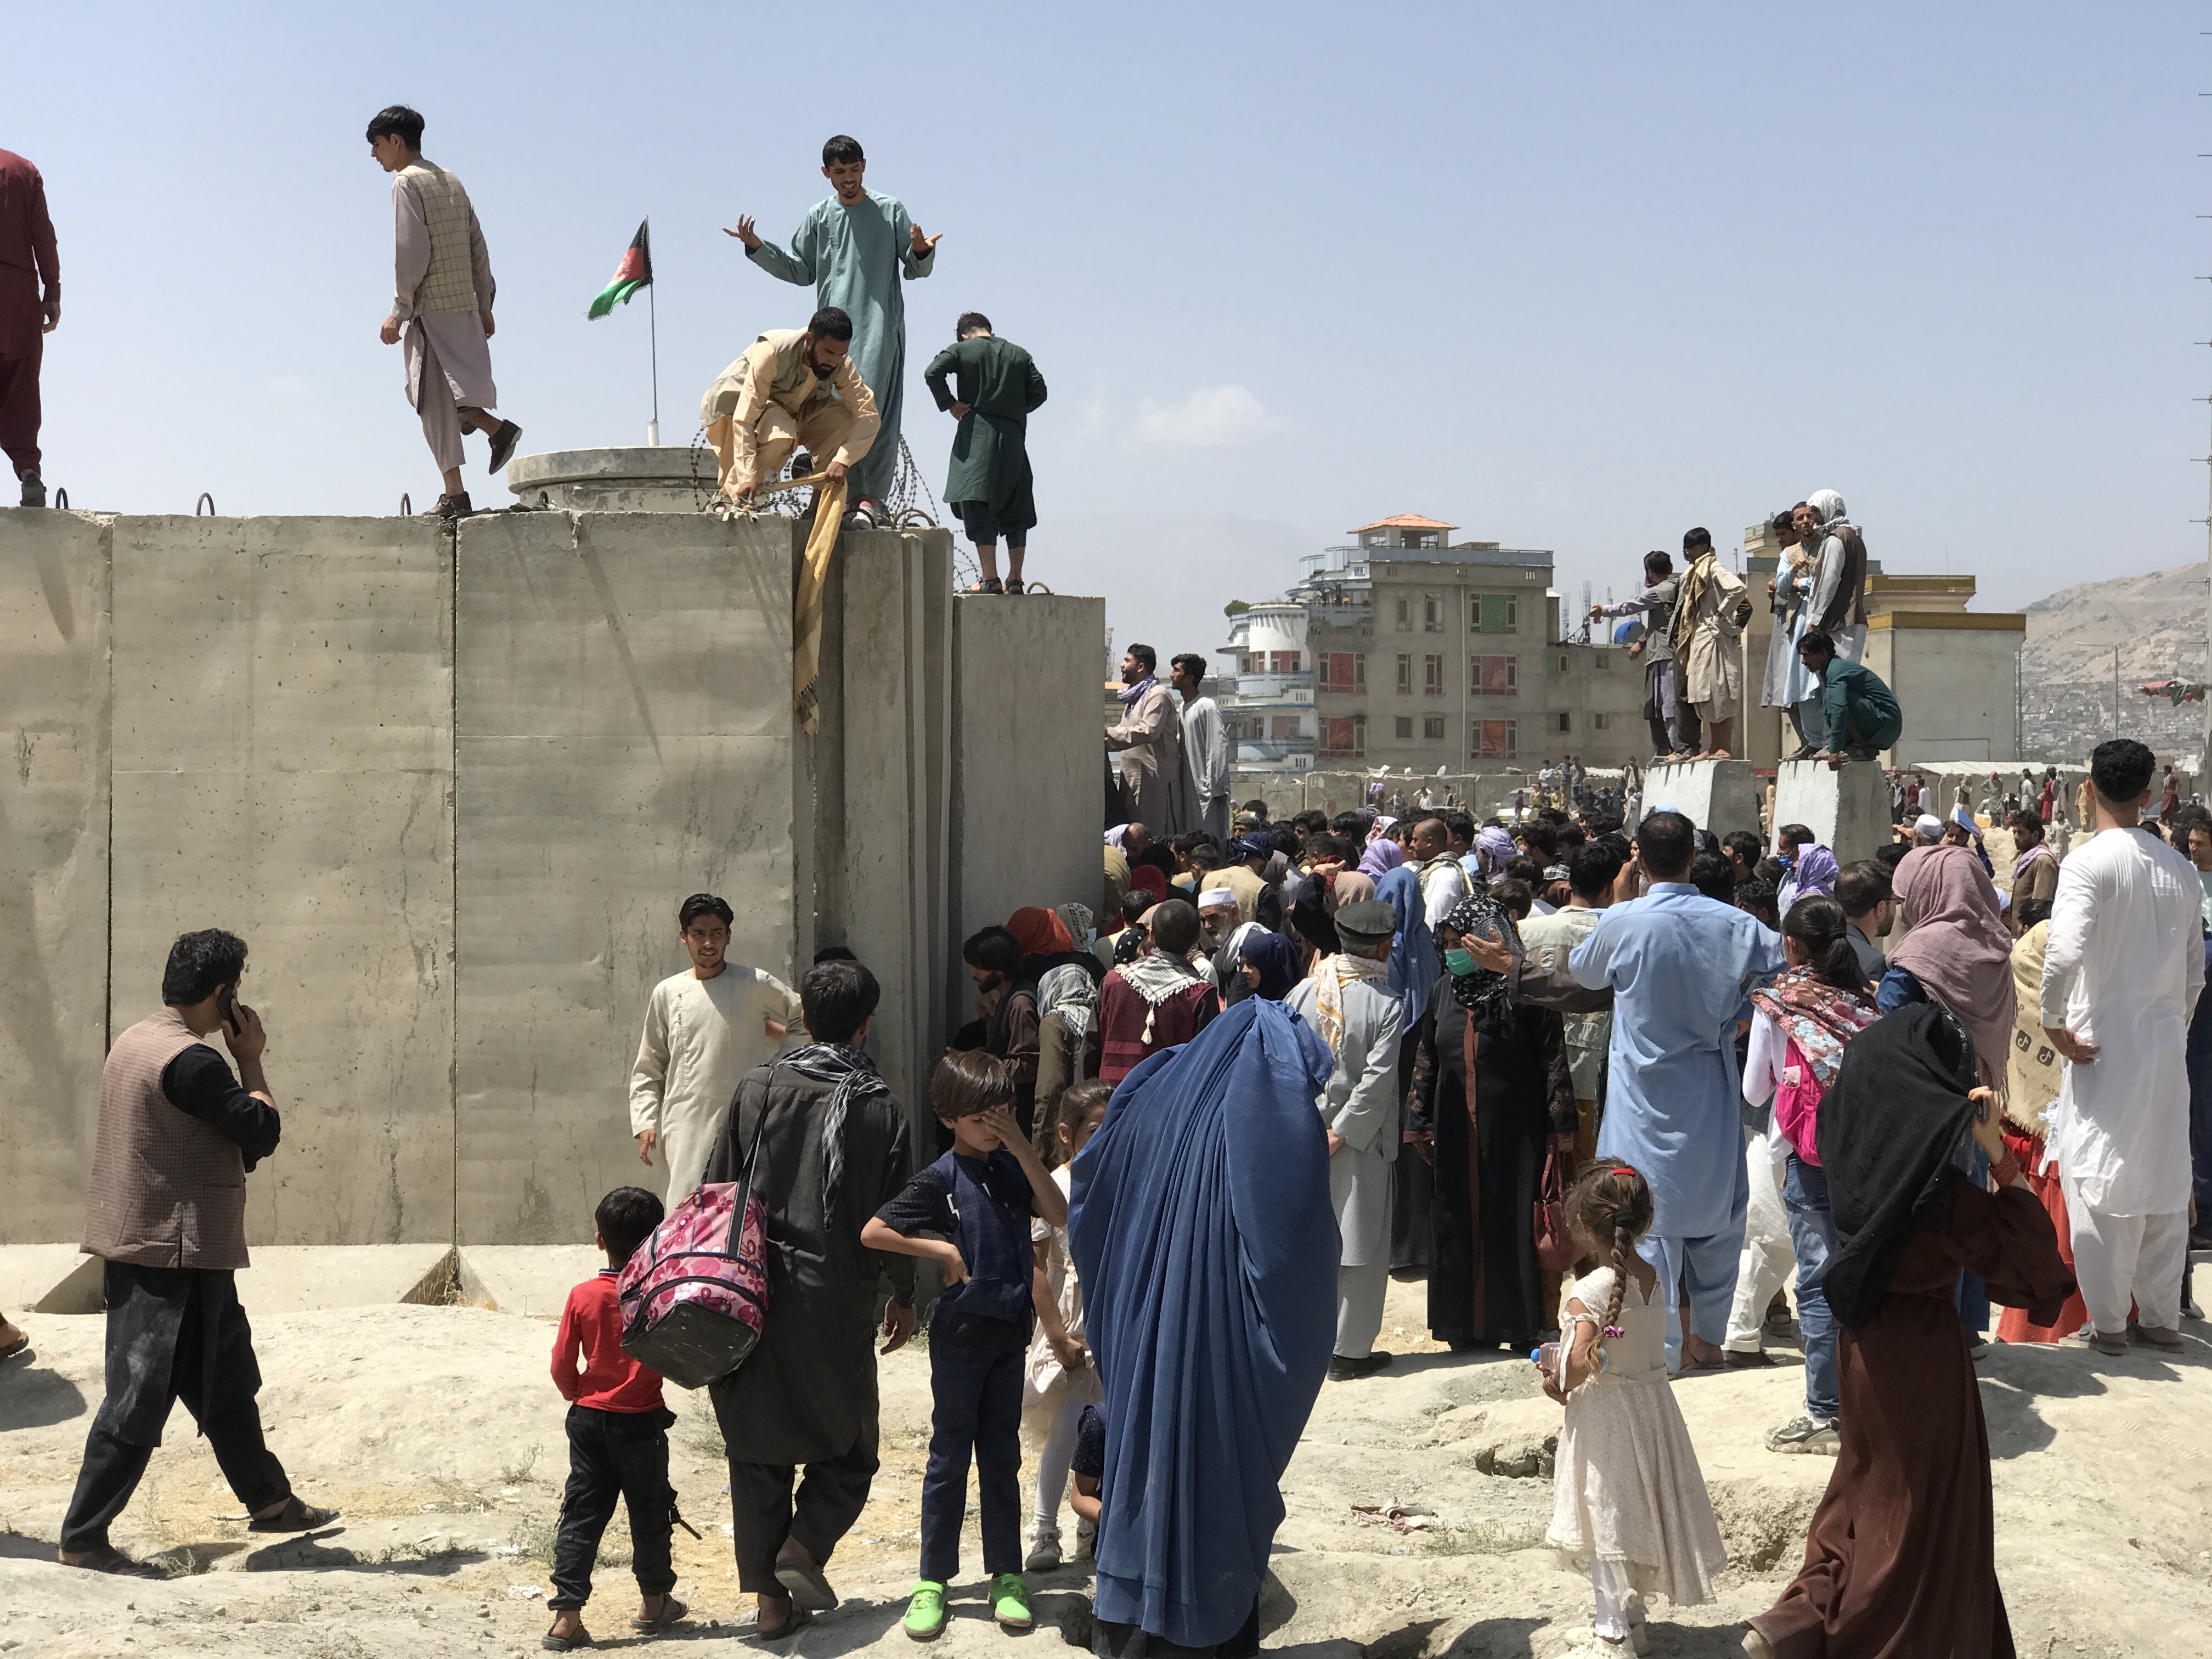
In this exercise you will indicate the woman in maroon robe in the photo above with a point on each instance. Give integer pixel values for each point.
(1901, 1561)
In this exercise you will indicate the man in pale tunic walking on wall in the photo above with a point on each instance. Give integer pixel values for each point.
(441, 303)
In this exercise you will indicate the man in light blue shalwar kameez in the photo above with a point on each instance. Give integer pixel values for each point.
(854, 247)
(1680, 966)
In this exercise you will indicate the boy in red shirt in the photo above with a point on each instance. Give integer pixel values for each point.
(617, 1438)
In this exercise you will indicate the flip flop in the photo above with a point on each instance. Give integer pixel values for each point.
(554, 1643)
(19, 1345)
(671, 1610)
(294, 1517)
(808, 1589)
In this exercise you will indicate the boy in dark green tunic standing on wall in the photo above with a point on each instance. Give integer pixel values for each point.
(995, 385)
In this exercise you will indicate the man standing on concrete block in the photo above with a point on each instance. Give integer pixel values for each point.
(705, 1027)
(179, 1134)
(1203, 782)
(1709, 617)
(995, 390)
(793, 385)
(1673, 727)
(2122, 972)
(1149, 739)
(1833, 590)
(854, 247)
(27, 258)
(441, 301)
(1859, 714)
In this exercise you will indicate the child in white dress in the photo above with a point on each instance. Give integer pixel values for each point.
(1628, 1500)
(1059, 1379)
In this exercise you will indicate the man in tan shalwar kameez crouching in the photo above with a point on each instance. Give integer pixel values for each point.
(792, 386)
(1708, 621)
(441, 303)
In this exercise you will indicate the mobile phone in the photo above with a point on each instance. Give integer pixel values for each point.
(227, 1006)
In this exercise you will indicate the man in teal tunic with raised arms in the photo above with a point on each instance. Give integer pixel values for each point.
(854, 247)
(995, 386)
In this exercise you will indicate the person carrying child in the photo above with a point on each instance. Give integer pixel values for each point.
(1627, 1496)
(971, 1211)
(618, 1439)
(1062, 1380)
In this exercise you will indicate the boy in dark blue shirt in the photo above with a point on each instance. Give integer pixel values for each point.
(971, 1211)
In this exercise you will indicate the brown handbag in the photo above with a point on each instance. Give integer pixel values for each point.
(1556, 1249)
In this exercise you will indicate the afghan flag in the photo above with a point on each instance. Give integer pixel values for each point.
(635, 272)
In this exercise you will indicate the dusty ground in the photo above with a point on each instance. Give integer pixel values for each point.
(439, 1434)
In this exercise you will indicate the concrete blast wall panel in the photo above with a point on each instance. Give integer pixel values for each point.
(283, 725)
(53, 865)
(624, 738)
(451, 787)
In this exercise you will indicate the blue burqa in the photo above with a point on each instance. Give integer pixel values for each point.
(1200, 1227)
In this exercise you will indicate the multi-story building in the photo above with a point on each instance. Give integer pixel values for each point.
(1422, 654)
(1269, 714)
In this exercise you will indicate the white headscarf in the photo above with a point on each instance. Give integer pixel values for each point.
(1830, 505)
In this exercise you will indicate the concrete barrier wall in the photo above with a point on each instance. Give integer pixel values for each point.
(624, 739)
(53, 865)
(283, 768)
(1027, 735)
(451, 789)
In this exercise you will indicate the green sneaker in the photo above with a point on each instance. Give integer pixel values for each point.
(1009, 1600)
(925, 1614)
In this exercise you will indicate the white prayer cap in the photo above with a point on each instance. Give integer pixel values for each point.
(1217, 898)
(1928, 827)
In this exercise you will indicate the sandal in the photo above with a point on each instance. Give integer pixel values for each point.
(554, 1643)
(21, 1344)
(989, 585)
(109, 1559)
(1014, 586)
(294, 1517)
(671, 1610)
(795, 1621)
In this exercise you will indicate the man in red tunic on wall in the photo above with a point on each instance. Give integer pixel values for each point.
(26, 259)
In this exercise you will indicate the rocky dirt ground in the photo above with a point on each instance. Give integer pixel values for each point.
(437, 1431)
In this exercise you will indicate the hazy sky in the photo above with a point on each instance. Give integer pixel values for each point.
(1571, 276)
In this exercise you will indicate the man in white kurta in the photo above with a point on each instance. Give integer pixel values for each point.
(705, 1027)
(1203, 799)
(441, 305)
(1349, 1002)
(2121, 976)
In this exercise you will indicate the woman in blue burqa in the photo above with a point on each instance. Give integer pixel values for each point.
(1201, 1230)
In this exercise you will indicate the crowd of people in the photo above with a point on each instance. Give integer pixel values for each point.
(1616, 1090)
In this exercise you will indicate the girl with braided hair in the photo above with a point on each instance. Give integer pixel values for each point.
(1628, 1500)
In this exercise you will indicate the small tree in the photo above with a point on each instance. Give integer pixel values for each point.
(1235, 608)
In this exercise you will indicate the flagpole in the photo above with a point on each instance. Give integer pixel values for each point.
(653, 310)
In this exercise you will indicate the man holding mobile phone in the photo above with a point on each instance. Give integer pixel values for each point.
(178, 1133)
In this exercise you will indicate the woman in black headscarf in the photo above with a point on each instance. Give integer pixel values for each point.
(1491, 1094)
(1901, 1556)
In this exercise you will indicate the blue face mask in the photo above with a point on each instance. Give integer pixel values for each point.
(1459, 962)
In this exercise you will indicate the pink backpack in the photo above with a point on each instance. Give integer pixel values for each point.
(1796, 1105)
(694, 1295)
